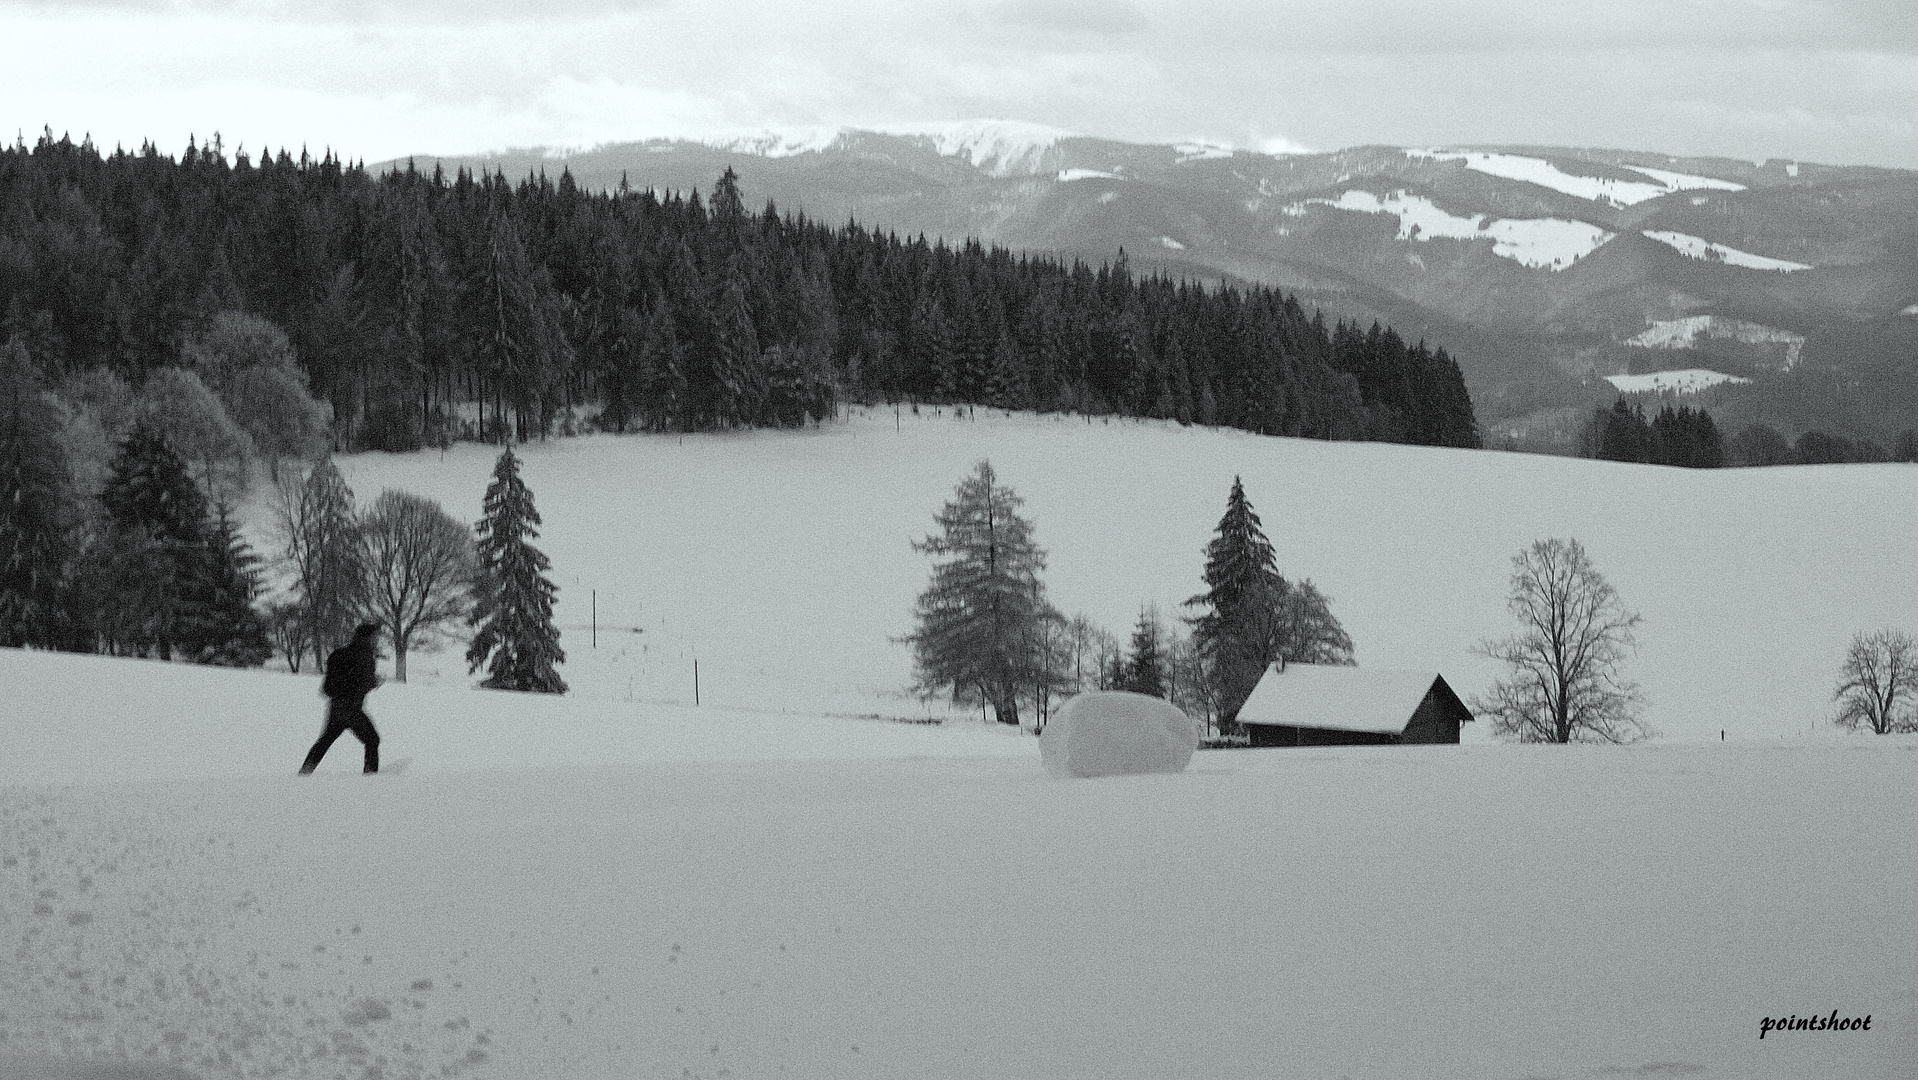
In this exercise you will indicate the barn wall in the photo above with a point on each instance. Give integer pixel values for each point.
(1288, 735)
(1432, 722)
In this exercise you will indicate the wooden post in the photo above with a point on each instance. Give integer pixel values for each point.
(595, 618)
(695, 680)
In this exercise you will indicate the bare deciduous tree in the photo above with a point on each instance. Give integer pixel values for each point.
(286, 629)
(1879, 679)
(419, 563)
(1565, 685)
(321, 550)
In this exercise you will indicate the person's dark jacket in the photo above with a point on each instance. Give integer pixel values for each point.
(350, 671)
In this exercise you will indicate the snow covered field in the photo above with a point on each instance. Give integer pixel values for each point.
(617, 883)
(1540, 243)
(1685, 381)
(903, 901)
(782, 561)
(1694, 247)
(1545, 174)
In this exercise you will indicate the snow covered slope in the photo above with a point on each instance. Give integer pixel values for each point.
(1538, 171)
(1697, 248)
(1683, 381)
(616, 883)
(1540, 243)
(1370, 912)
(781, 561)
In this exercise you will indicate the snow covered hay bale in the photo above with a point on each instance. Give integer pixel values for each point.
(1114, 733)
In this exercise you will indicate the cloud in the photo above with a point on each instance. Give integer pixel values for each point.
(1075, 16)
(1816, 79)
(351, 12)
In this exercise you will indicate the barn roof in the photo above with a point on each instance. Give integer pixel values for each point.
(1340, 698)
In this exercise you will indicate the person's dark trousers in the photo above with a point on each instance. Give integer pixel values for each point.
(340, 719)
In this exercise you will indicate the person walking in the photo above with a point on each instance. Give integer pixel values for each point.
(350, 676)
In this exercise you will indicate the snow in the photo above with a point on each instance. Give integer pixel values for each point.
(1698, 248)
(1377, 912)
(782, 562)
(1686, 381)
(777, 143)
(1683, 333)
(1200, 150)
(1538, 171)
(618, 883)
(1539, 243)
(1167, 241)
(1912, 310)
(1000, 147)
(1674, 181)
(1069, 175)
(1342, 698)
(1116, 733)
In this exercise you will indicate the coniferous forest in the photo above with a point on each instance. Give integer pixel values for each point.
(424, 307)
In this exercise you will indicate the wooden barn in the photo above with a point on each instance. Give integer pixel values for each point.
(1317, 705)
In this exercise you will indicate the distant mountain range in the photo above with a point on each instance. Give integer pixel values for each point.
(1544, 270)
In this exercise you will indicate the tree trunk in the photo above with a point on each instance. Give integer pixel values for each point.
(399, 658)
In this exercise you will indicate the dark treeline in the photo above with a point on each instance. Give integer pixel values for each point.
(408, 295)
(1681, 436)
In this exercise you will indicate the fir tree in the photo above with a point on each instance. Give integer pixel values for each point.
(980, 620)
(1240, 569)
(159, 519)
(32, 499)
(235, 633)
(1253, 615)
(1145, 670)
(513, 600)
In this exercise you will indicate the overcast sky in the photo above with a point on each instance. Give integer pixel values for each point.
(1816, 80)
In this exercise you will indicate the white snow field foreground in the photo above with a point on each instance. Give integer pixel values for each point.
(938, 907)
(618, 883)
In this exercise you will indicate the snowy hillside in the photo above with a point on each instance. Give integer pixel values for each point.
(1538, 171)
(715, 901)
(1697, 248)
(1540, 243)
(618, 883)
(1682, 381)
(782, 560)
(996, 147)
(1692, 330)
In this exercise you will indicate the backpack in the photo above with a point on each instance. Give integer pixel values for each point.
(330, 685)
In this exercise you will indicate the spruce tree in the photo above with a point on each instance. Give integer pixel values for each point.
(33, 544)
(1145, 670)
(159, 517)
(1243, 603)
(981, 617)
(1240, 568)
(513, 600)
(235, 633)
